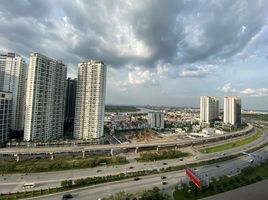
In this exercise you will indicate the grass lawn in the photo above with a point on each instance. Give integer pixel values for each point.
(235, 144)
(46, 165)
(261, 170)
(161, 155)
(259, 117)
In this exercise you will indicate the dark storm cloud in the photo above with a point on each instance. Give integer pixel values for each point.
(198, 72)
(138, 33)
(155, 23)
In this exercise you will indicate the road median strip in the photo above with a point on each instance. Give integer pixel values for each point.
(235, 144)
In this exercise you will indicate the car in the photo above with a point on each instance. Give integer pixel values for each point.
(28, 185)
(164, 183)
(67, 196)
(131, 167)
(223, 154)
(218, 166)
(136, 179)
(163, 177)
(251, 161)
(181, 159)
(164, 163)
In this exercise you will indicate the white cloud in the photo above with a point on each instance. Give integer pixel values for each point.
(243, 29)
(200, 71)
(166, 70)
(138, 77)
(227, 88)
(255, 92)
(194, 35)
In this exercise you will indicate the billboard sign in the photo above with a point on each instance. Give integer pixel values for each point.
(193, 177)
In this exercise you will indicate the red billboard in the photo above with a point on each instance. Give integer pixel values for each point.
(193, 177)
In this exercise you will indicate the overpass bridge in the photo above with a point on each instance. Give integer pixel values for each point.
(39, 152)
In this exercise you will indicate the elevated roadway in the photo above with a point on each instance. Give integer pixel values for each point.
(83, 150)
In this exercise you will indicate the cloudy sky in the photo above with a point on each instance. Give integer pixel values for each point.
(157, 52)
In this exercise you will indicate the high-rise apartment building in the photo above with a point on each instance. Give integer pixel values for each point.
(209, 109)
(45, 98)
(70, 99)
(12, 72)
(90, 100)
(155, 119)
(5, 115)
(232, 111)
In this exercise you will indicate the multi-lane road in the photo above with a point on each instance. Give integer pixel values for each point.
(230, 167)
(14, 182)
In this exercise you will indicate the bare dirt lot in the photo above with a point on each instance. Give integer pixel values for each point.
(145, 136)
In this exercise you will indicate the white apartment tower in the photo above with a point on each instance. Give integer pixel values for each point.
(232, 110)
(12, 72)
(45, 96)
(90, 100)
(5, 115)
(209, 109)
(156, 119)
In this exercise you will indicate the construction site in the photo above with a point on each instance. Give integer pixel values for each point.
(144, 136)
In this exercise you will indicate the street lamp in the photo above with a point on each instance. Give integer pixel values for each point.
(72, 172)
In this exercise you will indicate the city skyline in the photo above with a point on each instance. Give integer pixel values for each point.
(135, 100)
(166, 59)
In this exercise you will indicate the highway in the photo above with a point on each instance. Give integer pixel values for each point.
(230, 167)
(14, 182)
(181, 143)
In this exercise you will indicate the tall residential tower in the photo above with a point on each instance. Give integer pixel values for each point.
(90, 100)
(44, 116)
(70, 99)
(209, 109)
(232, 111)
(155, 119)
(5, 115)
(12, 72)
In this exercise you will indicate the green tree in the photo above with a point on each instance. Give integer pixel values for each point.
(66, 183)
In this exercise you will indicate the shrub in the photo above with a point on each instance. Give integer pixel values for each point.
(258, 178)
(231, 181)
(237, 179)
(235, 186)
(243, 178)
(213, 180)
(167, 154)
(224, 184)
(253, 180)
(247, 170)
(247, 181)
